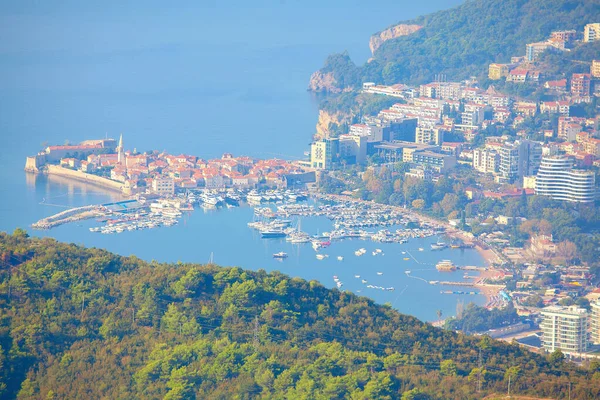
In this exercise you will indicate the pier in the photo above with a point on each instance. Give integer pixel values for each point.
(70, 215)
(453, 283)
(87, 212)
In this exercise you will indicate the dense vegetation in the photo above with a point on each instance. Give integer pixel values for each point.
(462, 41)
(480, 319)
(85, 323)
(559, 65)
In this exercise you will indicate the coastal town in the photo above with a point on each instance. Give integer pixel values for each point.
(510, 146)
(541, 139)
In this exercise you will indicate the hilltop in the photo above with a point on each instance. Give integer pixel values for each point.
(85, 323)
(459, 42)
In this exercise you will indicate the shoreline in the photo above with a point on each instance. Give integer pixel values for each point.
(489, 256)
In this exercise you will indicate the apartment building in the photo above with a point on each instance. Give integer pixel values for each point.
(591, 32)
(518, 159)
(533, 50)
(569, 127)
(353, 149)
(486, 161)
(373, 133)
(564, 36)
(429, 135)
(581, 85)
(565, 329)
(498, 71)
(595, 69)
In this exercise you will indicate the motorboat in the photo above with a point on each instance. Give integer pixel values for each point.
(208, 199)
(272, 233)
(438, 246)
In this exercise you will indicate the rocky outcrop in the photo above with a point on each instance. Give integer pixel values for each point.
(325, 119)
(323, 82)
(391, 33)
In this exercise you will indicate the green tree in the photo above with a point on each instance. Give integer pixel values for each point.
(556, 357)
(448, 368)
(419, 204)
(414, 394)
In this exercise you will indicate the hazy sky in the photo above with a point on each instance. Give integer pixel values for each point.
(36, 31)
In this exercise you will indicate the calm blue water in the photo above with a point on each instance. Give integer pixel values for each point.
(201, 78)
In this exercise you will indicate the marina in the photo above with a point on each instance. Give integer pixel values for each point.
(309, 225)
(277, 214)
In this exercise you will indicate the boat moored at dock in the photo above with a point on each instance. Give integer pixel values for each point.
(445, 266)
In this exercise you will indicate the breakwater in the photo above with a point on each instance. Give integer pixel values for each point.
(70, 215)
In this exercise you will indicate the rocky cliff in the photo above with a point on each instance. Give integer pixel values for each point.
(323, 82)
(391, 33)
(326, 118)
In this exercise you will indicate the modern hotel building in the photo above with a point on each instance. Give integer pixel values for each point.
(565, 328)
(556, 178)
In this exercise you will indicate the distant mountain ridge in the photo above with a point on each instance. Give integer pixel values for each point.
(459, 42)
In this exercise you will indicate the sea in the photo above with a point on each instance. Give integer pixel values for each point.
(202, 78)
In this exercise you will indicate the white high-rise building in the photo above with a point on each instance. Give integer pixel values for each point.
(556, 178)
(595, 322)
(565, 328)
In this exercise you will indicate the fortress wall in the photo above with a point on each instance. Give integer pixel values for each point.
(83, 177)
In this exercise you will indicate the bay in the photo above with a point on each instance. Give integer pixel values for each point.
(199, 78)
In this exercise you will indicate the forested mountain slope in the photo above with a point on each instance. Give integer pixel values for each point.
(462, 41)
(85, 323)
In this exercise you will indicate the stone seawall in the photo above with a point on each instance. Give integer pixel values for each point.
(83, 177)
